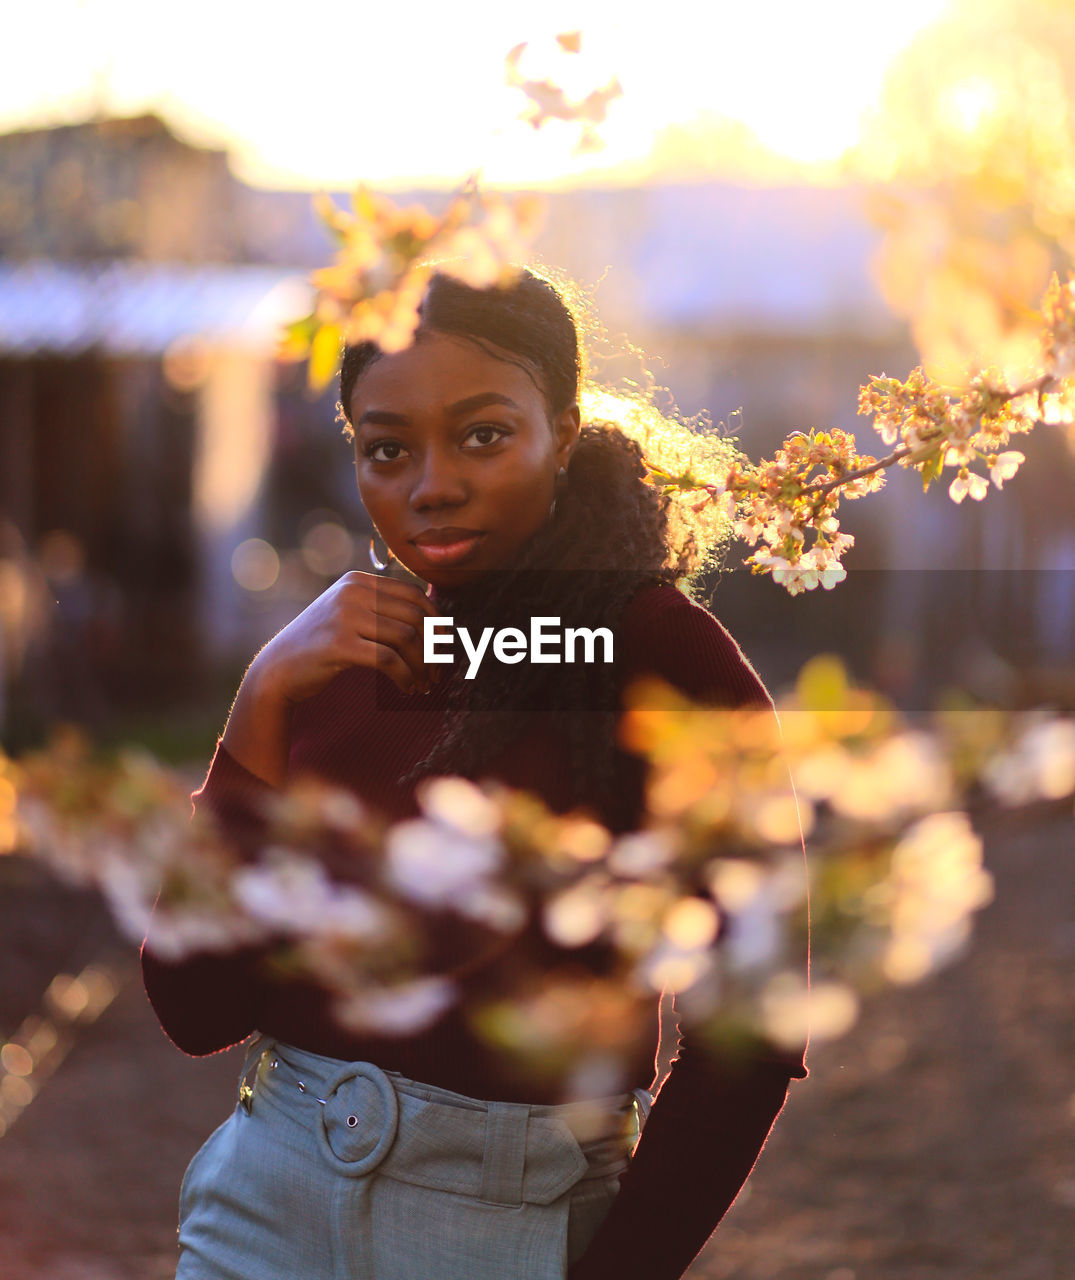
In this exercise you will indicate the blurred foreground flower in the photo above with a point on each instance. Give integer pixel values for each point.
(1038, 765)
(710, 899)
(936, 881)
(548, 101)
(384, 259)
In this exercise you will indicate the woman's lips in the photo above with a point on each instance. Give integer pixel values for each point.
(449, 552)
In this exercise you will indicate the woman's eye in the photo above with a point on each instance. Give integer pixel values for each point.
(383, 444)
(491, 433)
(486, 434)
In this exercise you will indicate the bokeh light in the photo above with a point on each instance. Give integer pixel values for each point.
(328, 549)
(693, 68)
(255, 564)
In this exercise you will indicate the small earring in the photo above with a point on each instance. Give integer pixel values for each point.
(379, 565)
(561, 485)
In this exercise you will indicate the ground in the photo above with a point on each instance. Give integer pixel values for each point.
(933, 1142)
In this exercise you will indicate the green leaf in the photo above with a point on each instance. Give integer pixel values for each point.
(300, 333)
(324, 356)
(333, 219)
(931, 469)
(822, 683)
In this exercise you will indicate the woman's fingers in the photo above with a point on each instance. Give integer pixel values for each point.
(386, 658)
(404, 637)
(401, 619)
(392, 615)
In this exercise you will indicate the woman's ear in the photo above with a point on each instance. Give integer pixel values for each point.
(567, 428)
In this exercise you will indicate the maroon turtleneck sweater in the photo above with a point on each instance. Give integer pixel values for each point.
(709, 1120)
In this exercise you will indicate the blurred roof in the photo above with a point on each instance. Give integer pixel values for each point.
(134, 308)
(132, 237)
(714, 257)
(790, 258)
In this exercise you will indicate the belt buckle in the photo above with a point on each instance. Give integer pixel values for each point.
(390, 1101)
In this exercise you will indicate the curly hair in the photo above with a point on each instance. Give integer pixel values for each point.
(611, 532)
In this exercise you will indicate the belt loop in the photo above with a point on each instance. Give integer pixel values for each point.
(504, 1161)
(257, 1049)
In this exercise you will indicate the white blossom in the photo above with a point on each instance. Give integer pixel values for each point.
(1006, 465)
(577, 914)
(175, 933)
(397, 1010)
(936, 881)
(975, 485)
(1040, 765)
(669, 967)
(748, 895)
(959, 455)
(641, 853)
(295, 894)
(789, 1010)
(459, 803)
(437, 865)
(903, 773)
(495, 906)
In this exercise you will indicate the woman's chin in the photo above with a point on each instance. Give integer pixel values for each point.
(443, 577)
(448, 580)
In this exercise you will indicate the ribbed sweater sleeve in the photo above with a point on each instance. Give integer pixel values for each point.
(710, 1119)
(207, 1001)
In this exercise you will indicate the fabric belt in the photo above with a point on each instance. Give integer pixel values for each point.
(506, 1153)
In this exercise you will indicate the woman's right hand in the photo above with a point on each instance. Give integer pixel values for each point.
(361, 620)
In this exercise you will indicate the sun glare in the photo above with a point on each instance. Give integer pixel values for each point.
(394, 97)
(968, 103)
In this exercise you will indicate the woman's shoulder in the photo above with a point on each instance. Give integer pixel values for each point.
(657, 599)
(666, 633)
(660, 612)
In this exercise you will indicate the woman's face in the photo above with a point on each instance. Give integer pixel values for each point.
(447, 438)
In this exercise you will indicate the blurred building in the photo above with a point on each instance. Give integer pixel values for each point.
(180, 497)
(142, 412)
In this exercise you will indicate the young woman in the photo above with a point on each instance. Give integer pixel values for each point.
(392, 1155)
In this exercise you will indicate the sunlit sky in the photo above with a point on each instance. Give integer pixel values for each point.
(331, 92)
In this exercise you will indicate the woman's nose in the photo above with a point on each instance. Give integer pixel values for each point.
(439, 483)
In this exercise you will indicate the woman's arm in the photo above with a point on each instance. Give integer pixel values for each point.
(258, 731)
(703, 1136)
(208, 1001)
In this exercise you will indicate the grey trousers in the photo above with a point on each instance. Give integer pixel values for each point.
(331, 1170)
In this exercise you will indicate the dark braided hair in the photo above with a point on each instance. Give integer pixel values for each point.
(608, 537)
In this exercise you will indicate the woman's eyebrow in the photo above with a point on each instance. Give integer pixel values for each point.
(385, 418)
(479, 401)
